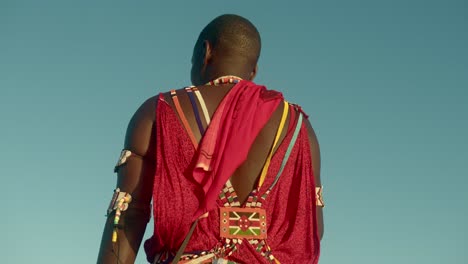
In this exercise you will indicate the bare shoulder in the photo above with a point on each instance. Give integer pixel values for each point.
(306, 121)
(140, 127)
(311, 132)
(147, 109)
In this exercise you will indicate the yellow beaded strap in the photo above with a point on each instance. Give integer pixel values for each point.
(278, 134)
(119, 203)
(318, 197)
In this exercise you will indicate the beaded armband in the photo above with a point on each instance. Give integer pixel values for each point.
(122, 159)
(319, 197)
(124, 155)
(119, 203)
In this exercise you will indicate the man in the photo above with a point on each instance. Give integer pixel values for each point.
(232, 168)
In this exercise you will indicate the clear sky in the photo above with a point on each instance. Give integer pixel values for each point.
(384, 82)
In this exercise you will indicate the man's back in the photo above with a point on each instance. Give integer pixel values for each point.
(229, 45)
(176, 196)
(246, 175)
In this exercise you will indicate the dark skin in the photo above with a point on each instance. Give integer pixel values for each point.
(136, 176)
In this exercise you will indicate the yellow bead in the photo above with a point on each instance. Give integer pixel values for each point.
(114, 236)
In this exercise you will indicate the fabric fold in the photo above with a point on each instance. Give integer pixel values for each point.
(236, 123)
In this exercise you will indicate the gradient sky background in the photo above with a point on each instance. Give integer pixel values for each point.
(385, 84)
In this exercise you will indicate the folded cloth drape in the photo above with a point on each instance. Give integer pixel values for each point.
(241, 115)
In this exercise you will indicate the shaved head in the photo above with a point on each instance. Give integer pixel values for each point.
(231, 39)
(233, 35)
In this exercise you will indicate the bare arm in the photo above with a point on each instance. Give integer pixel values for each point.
(136, 178)
(315, 152)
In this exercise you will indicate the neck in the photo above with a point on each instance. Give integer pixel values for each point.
(216, 70)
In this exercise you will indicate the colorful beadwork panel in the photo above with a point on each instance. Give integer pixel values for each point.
(249, 223)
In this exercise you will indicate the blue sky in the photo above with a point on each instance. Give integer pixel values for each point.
(384, 82)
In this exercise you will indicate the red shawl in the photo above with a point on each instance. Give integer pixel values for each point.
(236, 123)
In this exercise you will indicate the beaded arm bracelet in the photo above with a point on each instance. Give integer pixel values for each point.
(319, 197)
(124, 155)
(119, 203)
(120, 200)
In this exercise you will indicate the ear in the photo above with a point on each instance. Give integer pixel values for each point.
(253, 73)
(207, 52)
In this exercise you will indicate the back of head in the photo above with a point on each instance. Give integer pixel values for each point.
(232, 39)
(232, 35)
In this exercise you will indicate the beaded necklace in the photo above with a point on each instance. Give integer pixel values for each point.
(225, 80)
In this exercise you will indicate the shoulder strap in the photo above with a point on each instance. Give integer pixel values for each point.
(288, 151)
(181, 250)
(183, 118)
(202, 104)
(195, 109)
(270, 155)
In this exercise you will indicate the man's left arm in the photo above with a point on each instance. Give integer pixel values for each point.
(315, 153)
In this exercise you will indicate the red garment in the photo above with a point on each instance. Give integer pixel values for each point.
(179, 193)
(239, 118)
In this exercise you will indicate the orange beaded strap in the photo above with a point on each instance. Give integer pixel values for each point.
(183, 119)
